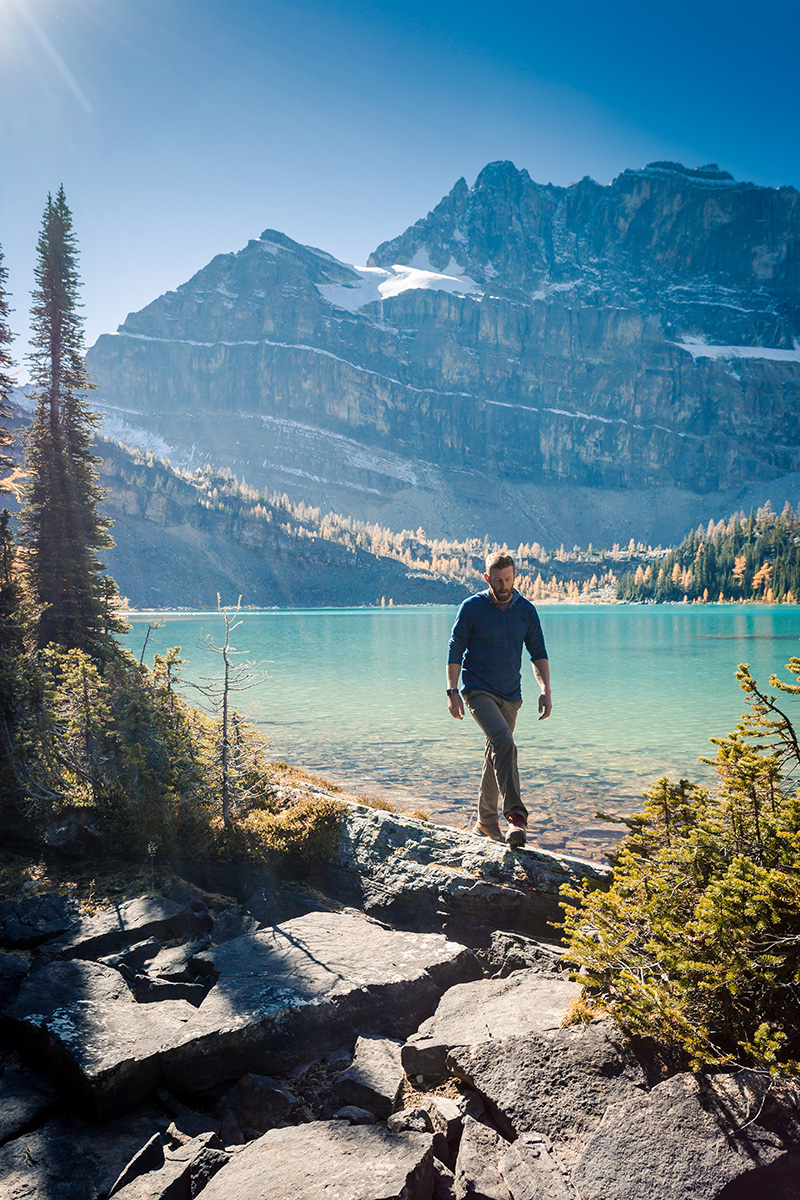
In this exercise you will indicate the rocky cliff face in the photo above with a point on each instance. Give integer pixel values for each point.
(624, 340)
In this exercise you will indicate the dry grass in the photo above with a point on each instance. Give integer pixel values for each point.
(285, 776)
(419, 1095)
(581, 1012)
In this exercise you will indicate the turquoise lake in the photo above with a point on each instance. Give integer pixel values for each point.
(358, 695)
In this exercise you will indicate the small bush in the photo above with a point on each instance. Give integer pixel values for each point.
(300, 840)
(697, 942)
(377, 802)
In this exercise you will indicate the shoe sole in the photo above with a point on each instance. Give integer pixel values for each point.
(516, 839)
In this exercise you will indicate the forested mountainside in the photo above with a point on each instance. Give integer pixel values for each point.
(528, 361)
(755, 557)
(182, 536)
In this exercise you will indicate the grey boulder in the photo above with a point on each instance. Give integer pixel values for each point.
(175, 964)
(232, 923)
(291, 992)
(25, 1099)
(13, 970)
(177, 1175)
(149, 1158)
(559, 1082)
(84, 1019)
(374, 1079)
(135, 921)
(488, 1010)
(252, 1106)
(694, 1134)
(328, 1158)
(410, 1120)
(32, 920)
(589, 1091)
(418, 875)
(533, 1171)
(66, 1159)
(355, 1115)
(477, 1171)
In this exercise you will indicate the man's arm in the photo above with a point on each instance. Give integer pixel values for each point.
(454, 702)
(541, 669)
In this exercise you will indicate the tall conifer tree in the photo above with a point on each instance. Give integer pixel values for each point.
(6, 383)
(62, 527)
(11, 619)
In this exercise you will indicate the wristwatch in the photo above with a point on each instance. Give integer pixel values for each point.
(452, 691)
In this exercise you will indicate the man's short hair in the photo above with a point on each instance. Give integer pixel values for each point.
(498, 560)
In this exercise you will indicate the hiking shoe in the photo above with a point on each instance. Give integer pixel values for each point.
(516, 834)
(492, 831)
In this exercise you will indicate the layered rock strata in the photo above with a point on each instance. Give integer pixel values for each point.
(640, 335)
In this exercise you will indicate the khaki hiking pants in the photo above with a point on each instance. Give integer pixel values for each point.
(500, 778)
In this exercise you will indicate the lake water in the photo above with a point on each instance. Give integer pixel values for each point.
(358, 695)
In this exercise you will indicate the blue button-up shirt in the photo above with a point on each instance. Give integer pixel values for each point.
(489, 640)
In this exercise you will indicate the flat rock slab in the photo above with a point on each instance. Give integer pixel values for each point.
(67, 1159)
(332, 1159)
(414, 873)
(488, 1010)
(83, 1017)
(25, 1098)
(693, 1134)
(135, 921)
(32, 920)
(294, 991)
(558, 1083)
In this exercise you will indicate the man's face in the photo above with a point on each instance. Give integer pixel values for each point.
(501, 582)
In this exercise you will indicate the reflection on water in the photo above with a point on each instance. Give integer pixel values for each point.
(359, 694)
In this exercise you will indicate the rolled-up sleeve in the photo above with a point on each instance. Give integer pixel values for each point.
(458, 638)
(534, 639)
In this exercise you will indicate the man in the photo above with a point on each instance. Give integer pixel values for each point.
(490, 630)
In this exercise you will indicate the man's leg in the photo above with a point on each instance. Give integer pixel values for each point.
(500, 778)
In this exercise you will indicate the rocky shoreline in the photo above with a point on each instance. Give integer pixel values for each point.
(404, 1028)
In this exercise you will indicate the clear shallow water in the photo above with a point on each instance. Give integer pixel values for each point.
(358, 694)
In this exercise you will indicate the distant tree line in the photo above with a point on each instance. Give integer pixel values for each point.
(754, 557)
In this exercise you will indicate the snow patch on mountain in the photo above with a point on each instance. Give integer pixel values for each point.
(377, 284)
(700, 349)
(351, 451)
(117, 429)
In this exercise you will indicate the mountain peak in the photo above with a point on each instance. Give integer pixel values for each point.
(709, 171)
(502, 170)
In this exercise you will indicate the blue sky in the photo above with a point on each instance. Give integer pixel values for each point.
(181, 128)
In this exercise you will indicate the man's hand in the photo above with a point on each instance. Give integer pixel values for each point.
(456, 706)
(545, 705)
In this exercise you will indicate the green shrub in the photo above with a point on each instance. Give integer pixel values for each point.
(697, 942)
(298, 841)
(121, 739)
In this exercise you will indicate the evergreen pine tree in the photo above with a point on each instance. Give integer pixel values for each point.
(6, 383)
(62, 527)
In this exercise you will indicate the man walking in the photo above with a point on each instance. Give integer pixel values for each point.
(490, 630)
